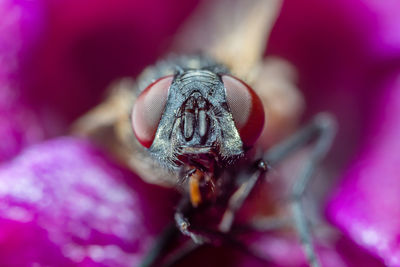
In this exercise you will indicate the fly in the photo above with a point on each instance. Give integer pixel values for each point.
(196, 125)
(199, 121)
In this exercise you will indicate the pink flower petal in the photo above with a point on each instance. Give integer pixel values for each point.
(340, 48)
(386, 28)
(64, 203)
(278, 249)
(85, 46)
(62, 54)
(334, 251)
(19, 124)
(19, 127)
(365, 205)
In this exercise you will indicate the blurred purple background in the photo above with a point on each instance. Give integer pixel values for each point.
(63, 202)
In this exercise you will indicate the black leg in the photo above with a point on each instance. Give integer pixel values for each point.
(237, 199)
(183, 223)
(159, 248)
(321, 130)
(170, 234)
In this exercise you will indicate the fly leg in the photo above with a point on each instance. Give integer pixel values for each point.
(188, 203)
(153, 258)
(182, 221)
(324, 127)
(171, 234)
(240, 195)
(321, 130)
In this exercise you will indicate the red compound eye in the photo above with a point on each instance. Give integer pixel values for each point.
(148, 109)
(246, 107)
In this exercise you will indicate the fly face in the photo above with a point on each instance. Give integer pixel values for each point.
(198, 121)
(197, 116)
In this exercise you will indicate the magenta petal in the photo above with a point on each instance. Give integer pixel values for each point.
(64, 203)
(19, 125)
(280, 249)
(340, 49)
(85, 46)
(334, 251)
(366, 204)
(386, 30)
(20, 27)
